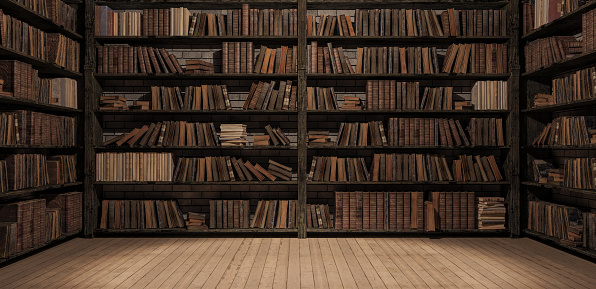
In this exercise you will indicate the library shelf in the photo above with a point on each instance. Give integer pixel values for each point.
(381, 183)
(38, 106)
(555, 241)
(35, 190)
(574, 105)
(565, 25)
(44, 67)
(408, 76)
(410, 112)
(209, 76)
(323, 147)
(195, 40)
(414, 40)
(196, 112)
(570, 64)
(45, 245)
(190, 148)
(558, 187)
(242, 183)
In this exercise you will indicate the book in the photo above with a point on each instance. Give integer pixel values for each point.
(454, 210)
(238, 213)
(226, 169)
(359, 134)
(141, 214)
(568, 131)
(487, 58)
(61, 169)
(579, 172)
(318, 138)
(544, 52)
(276, 136)
(275, 214)
(469, 168)
(23, 171)
(269, 60)
(29, 217)
(125, 59)
(397, 60)
(271, 96)
(167, 133)
(328, 60)
(573, 86)
(491, 213)
(540, 12)
(133, 166)
(321, 98)
(322, 218)
(70, 206)
(8, 239)
(490, 95)
(25, 127)
(392, 95)
(345, 169)
(545, 172)
(555, 220)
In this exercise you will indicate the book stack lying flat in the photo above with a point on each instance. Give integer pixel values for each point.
(229, 214)
(134, 166)
(545, 52)
(127, 59)
(491, 213)
(554, 220)
(454, 210)
(261, 140)
(328, 60)
(279, 214)
(196, 221)
(352, 103)
(568, 130)
(394, 60)
(390, 94)
(232, 134)
(276, 60)
(319, 138)
(196, 66)
(476, 169)
(204, 97)
(321, 98)
(264, 96)
(388, 211)
(279, 170)
(168, 133)
(277, 136)
(112, 102)
(476, 58)
(30, 219)
(318, 216)
(334, 169)
(357, 134)
(438, 98)
(410, 167)
(329, 25)
(141, 105)
(140, 214)
(543, 99)
(489, 95)
(579, 173)
(545, 172)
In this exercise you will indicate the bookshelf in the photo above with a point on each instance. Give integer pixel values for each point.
(299, 121)
(535, 118)
(8, 104)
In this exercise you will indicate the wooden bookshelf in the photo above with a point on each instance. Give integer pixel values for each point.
(210, 76)
(35, 190)
(190, 148)
(574, 63)
(401, 112)
(194, 40)
(584, 252)
(565, 25)
(558, 187)
(401, 40)
(575, 105)
(19, 103)
(38, 248)
(324, 147)
(405, 76)
(195, 112)
(44, 67)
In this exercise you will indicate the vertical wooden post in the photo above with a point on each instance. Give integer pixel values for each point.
(302, 116)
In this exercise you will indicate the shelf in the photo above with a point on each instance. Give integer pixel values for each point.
(151, 148)
(559, 187)
(315, 147)
(31, 17)
(408, 76)
(194, 4)
(579, 104)
(565, 25)
(381, 183)
(37, 147)
(243, 183)
(423, 4)
(57, 240)
(552, 240)
(437, 40)
(193, 112)
(44, 107)
(561, 147)
(571, 64)
(413, 232)
(44, 67)
(195, 40)
(212, 76)
(409, 112)
(28, 191)
(183, 230)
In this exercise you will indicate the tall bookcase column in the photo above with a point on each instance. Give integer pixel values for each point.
(302, 118)
(513, 158)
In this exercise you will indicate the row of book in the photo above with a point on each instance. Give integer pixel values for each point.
(20, 80)
(545, 52)
(229, 214)
(571, 87)
(20, 171)
(321, 98)
(589, 236)
(417, 22)
(128, 59)
(238, 57)
(327, 59)
(31, 223)
(273, 60)
(476, 58)
(225, 168)
(537, 13)
(588, 31)
(134, 166)
(395, 60)
(329, 25)
(554, 220)
(24, 127)
(491, 213)
(168, 133)
(275, 214)
(357, 134)
(568, 130)
(140, 214)
(452, 211)
(182, 22)
(56, 10)
(476, 169)
(318, 216)
(265, 96)
(391, 94)
(490, 95)
(579, 173)
(204, 97)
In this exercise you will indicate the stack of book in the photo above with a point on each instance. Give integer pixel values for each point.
(264, 96)
(395, 60)
(319, 138)
(328, 25)
(261, 140)
(279, 170)
(487, 95)
(30, 219)
(390, 95)
(321, 98)
(352, 103)
(410, 167)
(476, 58)
(277, 136)
(168, 133)
(486, 132)
(484, 169)
(545, 52)
(272, 60)
(426, 132)
(232, 134)
(438, 98)
(112, 102)
(574, 86)
(454, 210)
(204, 97)
(568, 130)
(141, 105)
(196, 221)
(334, 169)
(579, 173)
(559, 221)
(71, 210)
(24, 38)
(36, 128)
(278, 214)
(318, 216)
(196, 66)
(542, 99)
(127, 59)
(140, 214)
(229, 214)
(62, 169)
(23, 171)
(328, 60)
(491, 213)
(133, 166)
(545, 172)
(57, 91)
(357, 134)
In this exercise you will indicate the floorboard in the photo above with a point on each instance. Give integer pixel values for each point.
(293, 263)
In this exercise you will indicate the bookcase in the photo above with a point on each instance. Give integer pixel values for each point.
(548, 182)
(24, 101)
(194, 196)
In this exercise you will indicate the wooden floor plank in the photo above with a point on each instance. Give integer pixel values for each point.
(347, 279)
(369, 271)
(280, 279)
(318, 268)
(331, 270)
(294, 265)
(256, 270)
(174, 266)
(416, 280)
(192, 263)
(214, 270)
(376, 254)
(199, 262)
(230, 273)
(415, 266)
(270, 264)
(306, 270)
(246, 266)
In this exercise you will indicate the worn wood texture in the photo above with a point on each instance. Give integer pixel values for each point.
(302, 119)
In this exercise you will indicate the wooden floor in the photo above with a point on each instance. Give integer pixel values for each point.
(294, 263)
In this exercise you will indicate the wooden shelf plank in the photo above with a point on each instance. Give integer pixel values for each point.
(569, 24)
(194, 4)
(319, 147)
(409, 112)
(579, 104)
(29, 104)
(401, 76)
(243, 183)
(152, 148)
(195, 112)
(416, 232)
(25, 252)
(44, 67)
(571, 64)
(415, 40)
(196, 40)
(31, 17)
(37, 147)
(212, 76)
(29, 191)
(422, 4)
(184, 230)
(561, 147)
(552, 240)
(559, 187)
(380, 183)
